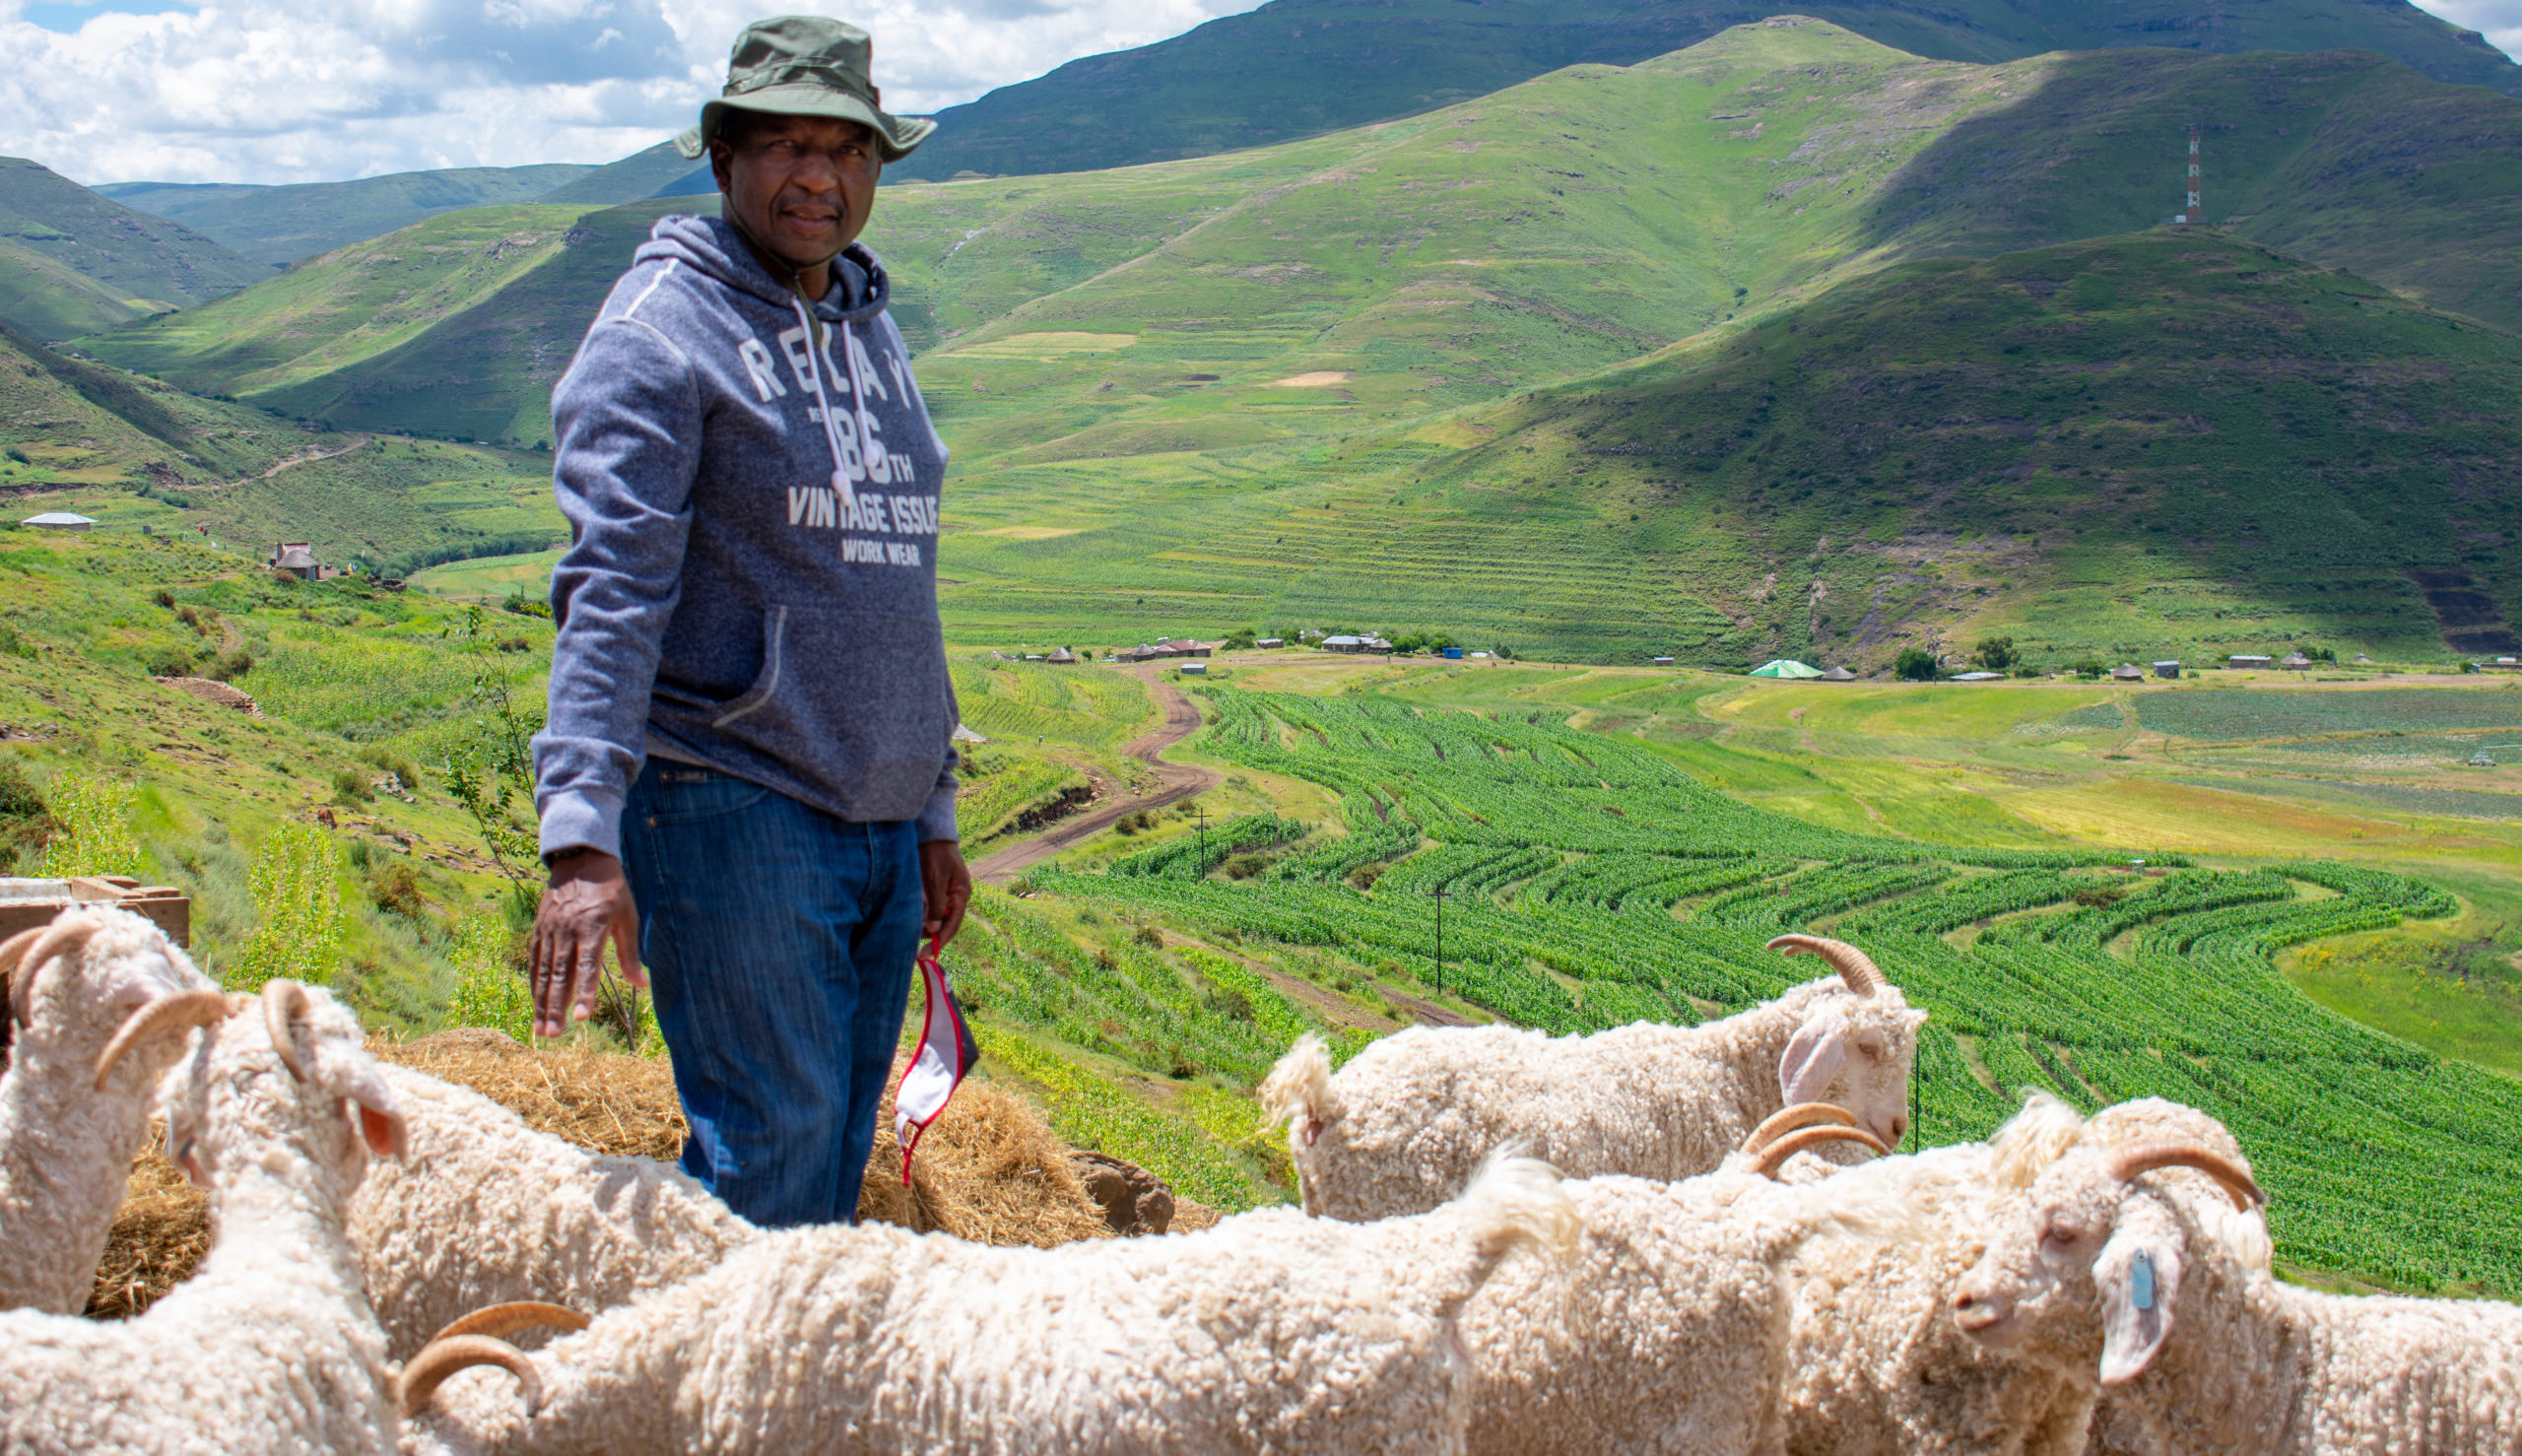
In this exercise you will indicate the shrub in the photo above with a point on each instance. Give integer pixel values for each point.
(170, 662)
(349, 786)
(1914, 665)
(164, 598)
(489, 991)
(396, 889)
(95, 837)
(2088, 668)
(298, 901)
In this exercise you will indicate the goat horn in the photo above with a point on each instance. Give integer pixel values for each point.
(503, 1320)
(182, 1009)
(442, 1358)
(1854, 967)
(2147, 1158)
(1788, 1119)
(63, 937)
(284, 1000)
(1774, 1156)
(13, 949)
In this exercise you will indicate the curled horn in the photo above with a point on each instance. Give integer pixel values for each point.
(447, 1354)
(63, 937)
(502, 1320)
(183, 1009)
(12, 951)
(1774, 1156)
(2147, 1158)
(284, 1000)
(1854, 967)
(1788, 1119)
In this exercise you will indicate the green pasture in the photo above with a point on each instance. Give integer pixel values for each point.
(528, 574)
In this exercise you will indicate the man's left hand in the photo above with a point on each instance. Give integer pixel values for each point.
(947, 886)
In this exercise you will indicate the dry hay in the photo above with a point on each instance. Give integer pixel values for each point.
(161, 1232)
(990, 1169)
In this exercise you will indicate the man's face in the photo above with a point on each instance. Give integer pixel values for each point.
(801, 185)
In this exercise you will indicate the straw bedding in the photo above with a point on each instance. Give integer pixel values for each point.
(990, 1170)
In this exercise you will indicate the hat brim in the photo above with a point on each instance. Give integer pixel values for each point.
(897, 136)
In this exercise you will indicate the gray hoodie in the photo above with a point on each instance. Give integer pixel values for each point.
(751, 582)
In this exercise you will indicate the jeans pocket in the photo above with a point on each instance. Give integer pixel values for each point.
(680, 794)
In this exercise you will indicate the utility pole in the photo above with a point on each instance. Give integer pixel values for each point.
(1202, 811)
(1438, 896)
(2193, 211)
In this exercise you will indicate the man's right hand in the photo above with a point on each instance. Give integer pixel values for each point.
(588, 904)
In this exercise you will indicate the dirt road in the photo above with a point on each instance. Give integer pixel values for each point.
(1180, 782)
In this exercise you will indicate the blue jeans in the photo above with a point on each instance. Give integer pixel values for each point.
(780, 942)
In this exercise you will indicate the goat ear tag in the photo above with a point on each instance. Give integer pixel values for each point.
(2141, 1281)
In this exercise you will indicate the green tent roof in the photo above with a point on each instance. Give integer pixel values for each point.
(1785, 667)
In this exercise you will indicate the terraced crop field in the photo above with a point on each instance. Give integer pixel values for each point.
(1590, 880)
(2229, 714)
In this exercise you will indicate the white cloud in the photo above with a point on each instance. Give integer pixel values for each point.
(277, 91)
(2500, 21)
(280, 90)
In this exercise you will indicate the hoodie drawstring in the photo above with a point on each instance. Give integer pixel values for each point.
(832, 432)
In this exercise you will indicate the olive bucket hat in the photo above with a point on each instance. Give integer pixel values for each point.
(805, 65)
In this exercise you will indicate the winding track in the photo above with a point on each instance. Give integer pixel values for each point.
(1179, 781)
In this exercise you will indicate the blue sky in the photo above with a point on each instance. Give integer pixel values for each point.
(282, 91)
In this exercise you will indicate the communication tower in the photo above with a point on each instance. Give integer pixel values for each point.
(2192, 210)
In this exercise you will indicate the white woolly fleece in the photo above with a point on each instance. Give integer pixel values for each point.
(484, 1210)
(270, 1347)
(66, 1147)
(1400, 1129)
(1269, 1331)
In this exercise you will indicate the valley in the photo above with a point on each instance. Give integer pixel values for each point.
(1585, 336)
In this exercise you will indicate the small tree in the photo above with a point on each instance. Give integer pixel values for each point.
(1914, 665)
(1993, 654)
(2088, 668)
(94, 835)
(297, 903)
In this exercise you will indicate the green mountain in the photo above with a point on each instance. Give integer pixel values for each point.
(658, 172)
(1633, 202)
(1232, 390)
(2175, 442)
(282, 224)
(347, 308)
(1295, 68)
(72, 262)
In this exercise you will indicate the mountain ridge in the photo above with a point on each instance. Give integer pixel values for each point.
(1374, 60)
(72, 262)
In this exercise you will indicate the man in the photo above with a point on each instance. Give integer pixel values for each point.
(746, 784)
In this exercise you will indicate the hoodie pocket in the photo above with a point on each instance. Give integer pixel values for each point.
(765, 683)
(852, 702)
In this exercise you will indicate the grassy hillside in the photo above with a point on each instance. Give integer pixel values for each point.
(136, 453)
(2346, 158)
(72, 262)
(282, 224)
(1263, 389)
(2174, 443)
(1296, 68)
(347, 308)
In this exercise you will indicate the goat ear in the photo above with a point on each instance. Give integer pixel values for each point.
(1812, 1059)
(382, 1128)
(2140, 1277)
